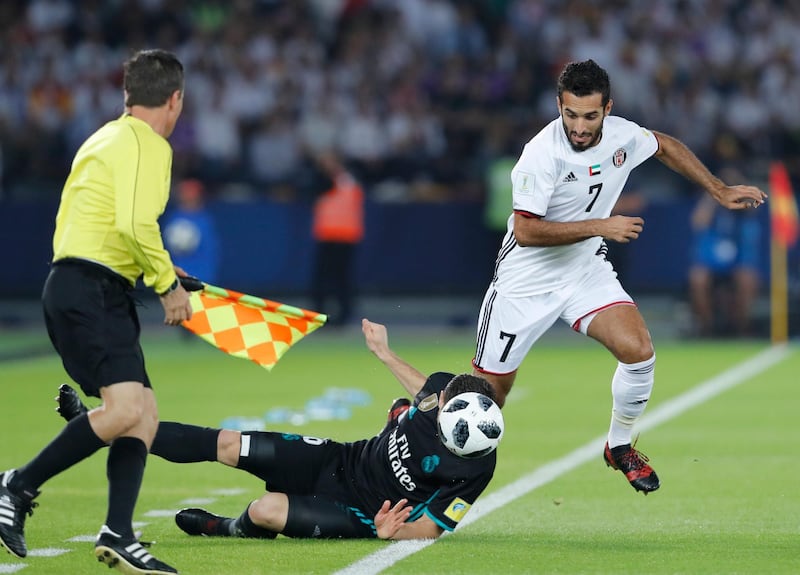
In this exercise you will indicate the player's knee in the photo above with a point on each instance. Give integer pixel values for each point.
(123, 417)
(270, 511)
(637, 348)
(642, 353)
(128, 405)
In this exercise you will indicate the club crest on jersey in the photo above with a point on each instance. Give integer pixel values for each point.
(619, 157)
(428, 403)
(594, 170)
(430, 463)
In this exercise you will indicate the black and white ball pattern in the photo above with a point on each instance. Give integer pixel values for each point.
(471, 425)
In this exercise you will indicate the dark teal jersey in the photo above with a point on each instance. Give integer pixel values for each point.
(409, 461)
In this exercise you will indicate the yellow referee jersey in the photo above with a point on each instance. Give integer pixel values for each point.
(110, 205)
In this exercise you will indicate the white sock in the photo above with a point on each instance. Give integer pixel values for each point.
(630, 388)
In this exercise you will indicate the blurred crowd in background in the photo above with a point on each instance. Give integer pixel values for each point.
(419, 97)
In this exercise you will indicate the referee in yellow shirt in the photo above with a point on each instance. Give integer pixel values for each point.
(106, 237)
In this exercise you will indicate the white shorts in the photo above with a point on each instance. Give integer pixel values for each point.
(508, 327)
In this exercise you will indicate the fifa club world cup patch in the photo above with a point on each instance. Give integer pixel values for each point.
(619, 157)
(524, 183)
(429, 402)
(457, 509)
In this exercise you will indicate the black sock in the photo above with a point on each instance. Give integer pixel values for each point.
(181, 443)
(76, 442)
(125, 468)
(244, 527)
(224, 528)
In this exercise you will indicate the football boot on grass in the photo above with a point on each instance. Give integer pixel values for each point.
(128, 555)
(195, 521)
(633, 464)
(13, 511)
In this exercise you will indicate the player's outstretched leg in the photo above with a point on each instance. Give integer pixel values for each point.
(634, 465)
(127, 555)
(69, 402)
(13, 510)
(195, 521)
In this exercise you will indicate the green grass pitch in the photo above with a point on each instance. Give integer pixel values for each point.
(729, 467)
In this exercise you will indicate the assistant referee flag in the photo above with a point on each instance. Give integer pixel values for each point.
(783, 207)
(249, 327)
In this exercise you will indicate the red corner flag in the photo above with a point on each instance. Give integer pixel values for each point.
(249, 327)
(783, 207)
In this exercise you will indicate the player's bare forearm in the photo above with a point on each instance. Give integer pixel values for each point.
(409, 377)
(422, 528)
(679, 158)
(377, 340)
(538, 232)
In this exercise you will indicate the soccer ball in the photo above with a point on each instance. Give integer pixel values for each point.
(471, 425)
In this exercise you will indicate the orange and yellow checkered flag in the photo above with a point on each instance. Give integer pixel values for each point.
(249, 327)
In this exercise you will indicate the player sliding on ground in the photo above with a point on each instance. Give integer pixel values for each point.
(403, 483)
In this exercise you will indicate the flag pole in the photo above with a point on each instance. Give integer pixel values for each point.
(779, 300)
(784, 232)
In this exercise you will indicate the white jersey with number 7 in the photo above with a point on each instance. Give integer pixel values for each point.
(556, 183)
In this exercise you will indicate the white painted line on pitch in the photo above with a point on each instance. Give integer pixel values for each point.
(199, 501)
(388, 556)
(12, 567)
(161, 513)
(234, 491)
(82, 539)
(47, 552)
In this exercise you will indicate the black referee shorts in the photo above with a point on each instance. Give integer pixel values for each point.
(92, 321)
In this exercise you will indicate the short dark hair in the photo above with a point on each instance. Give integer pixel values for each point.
(151, 77)
(465, 382)
(584, 79)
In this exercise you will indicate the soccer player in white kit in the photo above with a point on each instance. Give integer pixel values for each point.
(551, 264)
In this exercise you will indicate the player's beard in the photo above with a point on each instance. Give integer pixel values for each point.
(583, 147)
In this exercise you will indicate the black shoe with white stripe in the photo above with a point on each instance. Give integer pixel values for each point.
(127, 555)
(13, 509)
